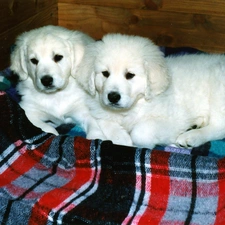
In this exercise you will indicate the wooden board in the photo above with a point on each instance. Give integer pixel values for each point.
(188, 6)
(108, 3)
(184, 23)
(17, 16)
(190, 23)
(207, 7)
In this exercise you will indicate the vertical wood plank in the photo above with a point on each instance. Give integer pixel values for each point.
(18, 16)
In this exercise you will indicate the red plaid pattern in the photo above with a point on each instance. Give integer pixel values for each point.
(47, 179)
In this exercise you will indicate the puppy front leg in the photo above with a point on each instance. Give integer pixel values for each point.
(197, 137)
(93, 130)
(115, 132)
(88, 123)
(147, 134)
(35, 118)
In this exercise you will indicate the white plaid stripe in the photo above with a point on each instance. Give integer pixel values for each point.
(12, 158)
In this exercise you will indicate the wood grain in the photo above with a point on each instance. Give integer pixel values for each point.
(208, 7)
(18, 16)
(107, 3)
(190, 23)
(166, 28)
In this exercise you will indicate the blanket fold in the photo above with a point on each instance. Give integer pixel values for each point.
(47, 179)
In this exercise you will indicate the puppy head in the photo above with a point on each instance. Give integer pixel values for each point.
(122, 69)
(49, 56)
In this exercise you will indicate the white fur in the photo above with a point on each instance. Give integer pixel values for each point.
(120, 54)
(151, 110)
(56, 52)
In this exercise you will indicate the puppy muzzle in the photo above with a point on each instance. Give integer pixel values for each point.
(114, 97)
(47, 81)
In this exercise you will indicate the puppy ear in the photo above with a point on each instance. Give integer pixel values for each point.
(85, 75)
(18, 60)
(157, 75)
(91, 84)
(77, 53)
(77, 42)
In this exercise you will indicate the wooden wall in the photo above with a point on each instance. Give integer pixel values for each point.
(17, 16)
(193, 23)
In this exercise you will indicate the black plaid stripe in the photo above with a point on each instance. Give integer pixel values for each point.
(113, 198)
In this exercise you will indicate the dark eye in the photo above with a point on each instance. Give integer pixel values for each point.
(105, 73)
(34, 61)
(129, 75)
(57, 58)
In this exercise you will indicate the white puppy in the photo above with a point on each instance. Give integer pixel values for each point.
(130, 79)
(121, 72)
(46, 61)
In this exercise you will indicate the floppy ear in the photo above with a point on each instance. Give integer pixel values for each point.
(18, 60)
(157, 76)
(85, 75)
(77, 53)
(77, 42)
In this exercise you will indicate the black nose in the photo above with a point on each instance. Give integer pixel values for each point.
(47, 80)
(114, 97)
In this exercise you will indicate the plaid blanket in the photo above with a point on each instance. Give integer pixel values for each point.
(47, 179)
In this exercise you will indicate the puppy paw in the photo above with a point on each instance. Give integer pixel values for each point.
(122, 139)
(51, 130)
(143, 140)
(190, 139)
(46, 128)
(95, 134)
